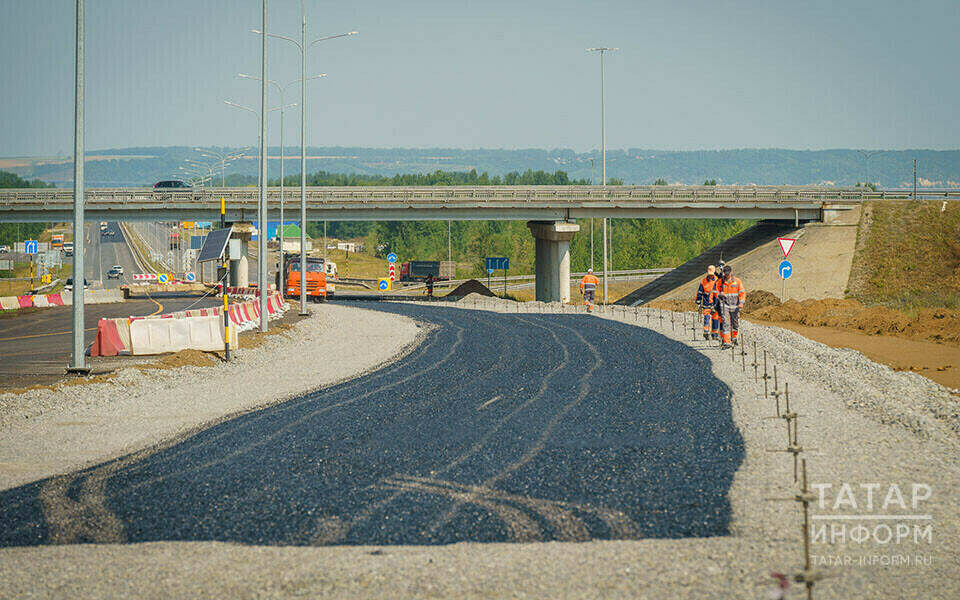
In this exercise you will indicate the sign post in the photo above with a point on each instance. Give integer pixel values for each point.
(785, 269)
(494, 263)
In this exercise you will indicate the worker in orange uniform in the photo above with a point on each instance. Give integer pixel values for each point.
(711, 320)
(588, 287)
(730, 294)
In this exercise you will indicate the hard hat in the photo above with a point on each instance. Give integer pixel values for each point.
(711, 269)
(589, 270)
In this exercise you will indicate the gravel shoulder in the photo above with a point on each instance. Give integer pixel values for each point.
(49, 431)
(861, 423)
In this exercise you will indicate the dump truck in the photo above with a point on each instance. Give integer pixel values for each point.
(417, 270)
(317, 288)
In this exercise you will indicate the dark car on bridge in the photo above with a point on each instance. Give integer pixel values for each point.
(171, 184)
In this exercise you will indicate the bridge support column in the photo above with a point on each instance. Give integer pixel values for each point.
(553, 258)
(240, 267)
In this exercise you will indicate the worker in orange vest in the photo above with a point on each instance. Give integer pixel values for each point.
(731, 295)
(588, 287)
(711, 320)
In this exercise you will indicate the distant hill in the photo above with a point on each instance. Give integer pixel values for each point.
(144, 166)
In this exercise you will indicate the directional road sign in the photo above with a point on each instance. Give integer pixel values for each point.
(190, 276)
(785, 245)
(384, 284)
(490, 271)
(30, 247)
(785, 269)
(163, 278)
(497, 263)
(391, 258)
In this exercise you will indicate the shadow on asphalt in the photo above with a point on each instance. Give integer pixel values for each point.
(498, 428)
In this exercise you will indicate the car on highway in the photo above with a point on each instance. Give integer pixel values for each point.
(115, 272)
(171, 184)
(68, 286)
(68, 248)
(4, 249)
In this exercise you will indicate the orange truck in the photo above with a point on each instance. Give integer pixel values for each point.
(316, 278)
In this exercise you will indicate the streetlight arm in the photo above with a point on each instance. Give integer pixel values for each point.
(246, 108)
(330, 37)
(279, 37)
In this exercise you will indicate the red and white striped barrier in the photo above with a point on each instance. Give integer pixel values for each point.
(59, 299)
(144, 277)
(252, 291)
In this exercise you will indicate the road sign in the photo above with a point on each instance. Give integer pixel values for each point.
(163, 278)
(785, 245)
(144, 277)
(190, 276)
(57, 240)
(497, 262)
(383, 284)
(785, 269)
(393, 272)
(490, 271)
(391, 258)
(30, 247)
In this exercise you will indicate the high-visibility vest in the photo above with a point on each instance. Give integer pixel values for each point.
(589, 283)
(730, 292)
(705, 292)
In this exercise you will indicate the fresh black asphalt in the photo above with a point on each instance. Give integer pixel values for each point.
(497, 428)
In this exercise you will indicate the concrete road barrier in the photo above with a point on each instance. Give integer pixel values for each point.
(159, 336)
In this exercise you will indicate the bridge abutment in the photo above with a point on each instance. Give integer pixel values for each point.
(553, 258)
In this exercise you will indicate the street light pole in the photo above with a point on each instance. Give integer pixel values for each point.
(603, 159)
(303, 47)
(77, 364)
(866, 162)
(262, 208)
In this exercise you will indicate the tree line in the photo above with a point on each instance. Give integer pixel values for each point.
(17, 232)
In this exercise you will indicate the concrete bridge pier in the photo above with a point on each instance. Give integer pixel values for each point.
(553, 258)
(240, 267)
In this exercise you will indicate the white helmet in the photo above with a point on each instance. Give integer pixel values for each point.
(589, 270)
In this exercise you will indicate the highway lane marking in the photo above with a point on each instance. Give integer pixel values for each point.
(489, 402)
(37, 335)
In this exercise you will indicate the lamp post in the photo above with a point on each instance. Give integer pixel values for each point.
(603, 159)
(224, 158)
(261, 245)
(866, 164)
(303, 47)
(281, 89)
(78, 362)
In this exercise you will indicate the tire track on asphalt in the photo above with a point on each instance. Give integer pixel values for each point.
(474, 449)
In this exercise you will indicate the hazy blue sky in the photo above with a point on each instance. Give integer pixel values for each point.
(492, 74)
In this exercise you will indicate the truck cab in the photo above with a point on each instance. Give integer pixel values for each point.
(316, 278)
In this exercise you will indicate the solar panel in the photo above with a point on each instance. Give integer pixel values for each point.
(214, 244)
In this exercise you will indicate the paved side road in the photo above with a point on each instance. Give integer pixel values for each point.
(497, 428)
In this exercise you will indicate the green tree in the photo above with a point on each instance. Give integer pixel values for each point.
(11, 233)
(660, 181)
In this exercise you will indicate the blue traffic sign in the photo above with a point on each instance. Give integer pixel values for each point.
(384, 285)
(391, 258)
(490, 271)
(190, 276)
(30, 247)
(785, 269)
(162, 278)
(497, 263)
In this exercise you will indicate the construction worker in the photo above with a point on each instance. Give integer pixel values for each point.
(588, 287)
(429, 282)
(731, 295)
(705, 302)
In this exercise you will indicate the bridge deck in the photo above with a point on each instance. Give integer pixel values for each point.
(453, 202)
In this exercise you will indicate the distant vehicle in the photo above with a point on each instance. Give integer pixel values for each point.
(4, 249)
(114, 273)
(56, 241)
(118, 268)
(108, 232)
(68, 286)
(68, 248)
(103, 225)
(316, 277)
(417, 270)
(171, 184)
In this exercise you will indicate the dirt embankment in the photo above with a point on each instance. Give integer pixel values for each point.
(939, 325)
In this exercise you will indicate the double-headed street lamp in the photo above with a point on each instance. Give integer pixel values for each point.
(866, 163)
(603, 160)
(262, 243)
(303, 46)
(224, 159)
(282, 158)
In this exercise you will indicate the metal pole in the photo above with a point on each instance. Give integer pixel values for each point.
(283, 283)
(450, 245)
(604, 260)
(77, 365)
(262, 234)
(914, 179)
(303, 160)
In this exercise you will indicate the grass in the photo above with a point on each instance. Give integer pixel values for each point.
(908, 257)
(358, 264)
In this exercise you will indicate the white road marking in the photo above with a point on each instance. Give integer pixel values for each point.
(489, 402)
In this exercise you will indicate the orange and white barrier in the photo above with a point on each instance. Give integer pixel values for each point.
(59, 299)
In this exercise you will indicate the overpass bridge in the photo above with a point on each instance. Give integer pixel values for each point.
(382, 203)
(551, 211)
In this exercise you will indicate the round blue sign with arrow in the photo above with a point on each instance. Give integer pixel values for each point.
(391, 258)
(384, 285)
(785, 269)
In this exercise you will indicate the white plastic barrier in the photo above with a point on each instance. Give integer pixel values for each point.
(158, 336)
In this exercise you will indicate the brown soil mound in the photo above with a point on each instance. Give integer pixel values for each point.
(470, 287)
(934, 324)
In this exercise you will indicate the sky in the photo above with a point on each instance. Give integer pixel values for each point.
(489, 74)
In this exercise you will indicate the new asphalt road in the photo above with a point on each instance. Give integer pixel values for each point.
(496, 428)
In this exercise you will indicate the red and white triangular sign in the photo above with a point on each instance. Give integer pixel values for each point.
(785, 245)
